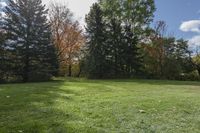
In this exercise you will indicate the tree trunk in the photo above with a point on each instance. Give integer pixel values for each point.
(26, 70)
(80, 71)
(70, 70)
(27, 54)
(198, 69)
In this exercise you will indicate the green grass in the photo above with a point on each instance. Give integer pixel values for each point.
(104, 106)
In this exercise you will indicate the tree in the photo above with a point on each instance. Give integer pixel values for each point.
(196, 59)
(176, 51)
(162, 52)
(67, 36)
(114, 50)
(116, 31)
(2, 51)
(29, 41)
(131, 53)
(131, 18)
(96, 41)
(4, 68)
(125, 57)
(74, 42)
(154, 50)
(136, 13)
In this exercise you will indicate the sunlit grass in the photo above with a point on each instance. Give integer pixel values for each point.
(98, 106)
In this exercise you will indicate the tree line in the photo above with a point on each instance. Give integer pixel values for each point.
(37, 43)
(121, 44)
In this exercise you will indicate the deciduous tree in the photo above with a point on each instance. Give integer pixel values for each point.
(67, 36)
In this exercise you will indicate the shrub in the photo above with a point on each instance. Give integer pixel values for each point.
(193, 76)
(39, 77)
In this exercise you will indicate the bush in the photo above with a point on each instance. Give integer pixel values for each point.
(193, 76)
(39, 77)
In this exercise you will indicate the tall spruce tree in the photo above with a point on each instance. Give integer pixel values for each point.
(2, 47)
(131, 55)
(126, 59)
(96, 40)
(1, 56)
(115, 42)
(29, 41)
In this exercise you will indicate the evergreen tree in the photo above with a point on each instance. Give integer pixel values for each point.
(126, 59)
(115, 44)
(29, 41)
(2, 47)
(1, 56)
(96, 40)
(131, 55)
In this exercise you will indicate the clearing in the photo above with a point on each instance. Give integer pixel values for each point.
(100, 106)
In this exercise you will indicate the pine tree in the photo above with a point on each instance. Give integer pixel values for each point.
(2, 47)
(1, 56)
(126, 59)
(29, 41)
(131, 55)
(115, 38)
(96, 37)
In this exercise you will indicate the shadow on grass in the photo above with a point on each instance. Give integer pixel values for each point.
(34, 107)
(160, 82)
(139, 81)
(46, 107)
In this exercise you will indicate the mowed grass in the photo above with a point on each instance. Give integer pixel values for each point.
(100, 106)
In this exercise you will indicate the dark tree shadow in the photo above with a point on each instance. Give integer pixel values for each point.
(32, 107)
(45, 107)
(158, 82)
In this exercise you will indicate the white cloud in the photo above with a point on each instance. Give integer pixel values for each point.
(79, 7)
(3, 4)
(194, 41)
(191, 26)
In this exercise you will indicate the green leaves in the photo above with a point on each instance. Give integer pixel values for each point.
(112, 40)
(138, 13)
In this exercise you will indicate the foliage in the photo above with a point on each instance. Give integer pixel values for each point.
(96, 41)
(29, 39)
(2, 51)
(114, 37)
(136, 13)
(118, 43)
(166, 57)
(67, 36)
(196, 60)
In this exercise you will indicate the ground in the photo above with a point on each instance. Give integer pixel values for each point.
(100, 106)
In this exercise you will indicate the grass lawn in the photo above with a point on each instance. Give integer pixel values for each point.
(103, 106)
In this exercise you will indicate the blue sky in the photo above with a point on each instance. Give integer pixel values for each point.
(182, 18)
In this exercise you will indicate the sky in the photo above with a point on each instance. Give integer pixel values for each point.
(181, 16)
(79, 7)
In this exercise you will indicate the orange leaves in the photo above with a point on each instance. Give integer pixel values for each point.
(67, 34)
